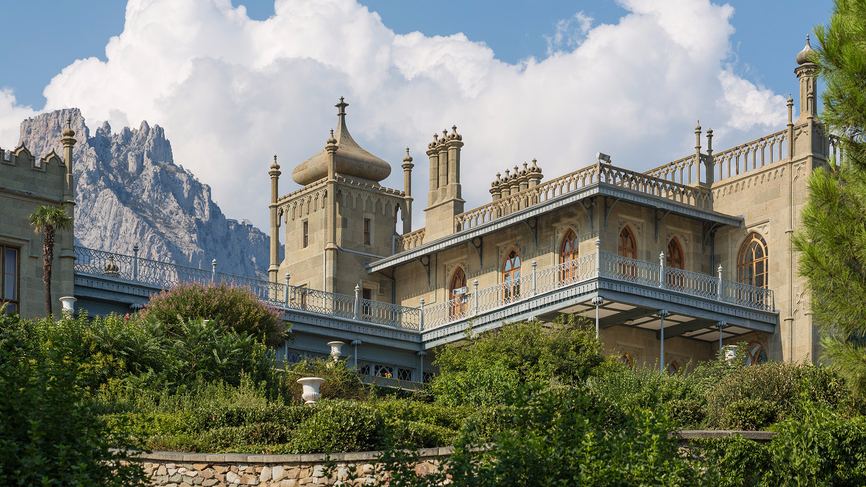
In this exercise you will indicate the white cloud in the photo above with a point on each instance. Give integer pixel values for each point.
(11, 115)
(231, 92)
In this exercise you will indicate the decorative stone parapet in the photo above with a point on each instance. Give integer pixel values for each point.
(170, 469)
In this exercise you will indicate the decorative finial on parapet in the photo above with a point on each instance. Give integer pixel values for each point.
(331, 139)
(407, 159)
(275, 166)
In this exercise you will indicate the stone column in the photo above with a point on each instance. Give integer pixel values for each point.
(274, 267)
(65, 239)
(407, 190)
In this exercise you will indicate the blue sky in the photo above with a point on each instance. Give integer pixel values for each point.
(509, 49)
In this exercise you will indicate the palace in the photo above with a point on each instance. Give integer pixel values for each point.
(670, 264)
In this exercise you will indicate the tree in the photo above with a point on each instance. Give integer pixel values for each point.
(47, 220)
(832, 240)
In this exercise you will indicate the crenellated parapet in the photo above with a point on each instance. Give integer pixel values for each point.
(22, 172)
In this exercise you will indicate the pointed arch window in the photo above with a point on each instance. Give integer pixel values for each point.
(674, 265)
(568, 254)
(457, 308)
(755, 354)
(752, 261)
(628, 249)
(511, 276)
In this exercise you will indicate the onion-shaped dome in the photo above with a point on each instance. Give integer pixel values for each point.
(351, 159)
(807, 52)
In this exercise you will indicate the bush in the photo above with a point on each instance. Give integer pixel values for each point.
(233, 307)
(737, 461)
(48, 434)
(750, 414)
(339, 427)
(786, 386)
(486, 370)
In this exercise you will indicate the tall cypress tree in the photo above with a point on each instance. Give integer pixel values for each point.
(832, 239)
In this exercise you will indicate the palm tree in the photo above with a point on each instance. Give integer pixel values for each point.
(47, 220)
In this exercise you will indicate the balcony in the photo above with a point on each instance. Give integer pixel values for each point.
(633, 290)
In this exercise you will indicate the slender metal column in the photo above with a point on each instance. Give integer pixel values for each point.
(662, 313)
(597, 301)
(721, 325)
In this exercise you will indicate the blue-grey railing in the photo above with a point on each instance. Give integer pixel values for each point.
(474, 301)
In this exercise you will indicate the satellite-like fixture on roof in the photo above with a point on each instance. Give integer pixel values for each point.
(602, 157)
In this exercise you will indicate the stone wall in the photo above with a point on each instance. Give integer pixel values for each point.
(170, 469)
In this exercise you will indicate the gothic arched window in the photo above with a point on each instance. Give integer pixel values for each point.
(752, 261)
(457, 309)
(628, 249)
(511, 275)
(675, 264)
(568, 254)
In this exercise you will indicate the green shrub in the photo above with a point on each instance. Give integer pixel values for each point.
(417, 434)
(738, 462)
(688, 413)
(49, 435)
(750, 414)
(488, 368)
(339, 427)
(819, 448)
(234, 308)
(787, 386)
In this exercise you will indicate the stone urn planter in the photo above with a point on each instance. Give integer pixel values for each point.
(68, 303)
(336, 349)
(311, 389)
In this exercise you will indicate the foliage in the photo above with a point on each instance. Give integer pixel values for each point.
(140, 354)
(49, 435)
(841, 60)
(738, 461)
(560, 437)
(339, 426)
(832, 240)
(47, 220)
(487, 368)
(750, 414)
(820, 448)
(235, 308)
(784, 386)
(341, 382)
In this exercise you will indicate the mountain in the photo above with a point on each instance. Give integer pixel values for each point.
(128, 191)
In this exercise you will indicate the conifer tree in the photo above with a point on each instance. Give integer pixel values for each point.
(832, 240)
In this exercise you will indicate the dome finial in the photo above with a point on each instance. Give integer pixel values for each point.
(342, 106)
(804, 55)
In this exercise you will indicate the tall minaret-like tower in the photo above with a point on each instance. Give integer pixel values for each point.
(805, 72)
(65, 239)
(274, 267)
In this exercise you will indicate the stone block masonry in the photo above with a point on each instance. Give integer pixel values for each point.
(170, 469)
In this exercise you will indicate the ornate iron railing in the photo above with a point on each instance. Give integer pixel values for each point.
(473, 302)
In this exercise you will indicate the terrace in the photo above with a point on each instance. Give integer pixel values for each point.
(633, 290)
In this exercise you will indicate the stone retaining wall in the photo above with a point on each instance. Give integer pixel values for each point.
(170, 469)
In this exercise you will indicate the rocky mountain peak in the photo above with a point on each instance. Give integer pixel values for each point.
(130, 191)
